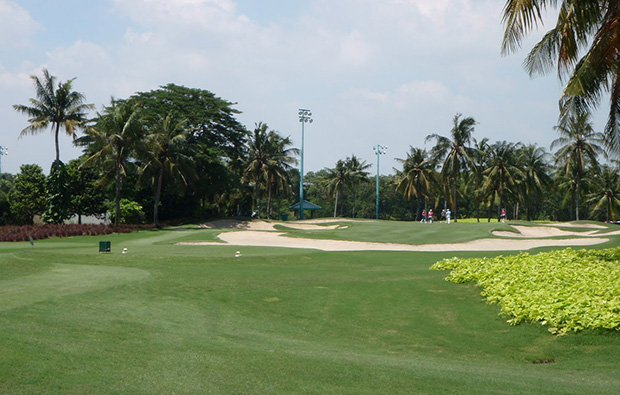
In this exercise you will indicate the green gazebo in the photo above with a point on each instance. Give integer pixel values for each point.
(307, 206)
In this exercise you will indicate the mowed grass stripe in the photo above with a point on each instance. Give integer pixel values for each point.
(62, 280)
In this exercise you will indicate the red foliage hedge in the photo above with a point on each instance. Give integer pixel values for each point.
(38, 232)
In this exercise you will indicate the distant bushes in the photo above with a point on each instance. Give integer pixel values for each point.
(38, 232)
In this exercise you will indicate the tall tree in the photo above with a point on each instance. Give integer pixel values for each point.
(28, 196)
(59, 106)
(277, 169)
(87, 194)
(502, 173)
(58, 194)
(481, 154)
(588, 24)
(166, 154)
(605, 194)
(418, 176)
(112, 142)
(535, 164)
(357, 174)
(579, 146)
(269, 161)
(455, 152)
(337, 178)
(211, 123)
(6, 188)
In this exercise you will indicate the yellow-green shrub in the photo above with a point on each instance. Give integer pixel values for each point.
(568, 290)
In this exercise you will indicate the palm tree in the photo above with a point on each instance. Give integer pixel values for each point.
(503, 172)
(278, 167)
(586, 24)
(269, 160)
(418, 176)
(357, 173)
(58, 106)
(337, 179)
(535, 164)
(456, 153)
(606, 193)
(579, 147)
(481, 153)
(113, 140)
(167, 154)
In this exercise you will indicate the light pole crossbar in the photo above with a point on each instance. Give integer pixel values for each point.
(379, 150)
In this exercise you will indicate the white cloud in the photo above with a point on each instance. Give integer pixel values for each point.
(414, 96)
(182, 15)
(372, 71)
(17, 27)
(432, 9)
(354, 49)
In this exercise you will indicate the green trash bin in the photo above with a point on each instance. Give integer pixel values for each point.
(105, 246)
(284, 217)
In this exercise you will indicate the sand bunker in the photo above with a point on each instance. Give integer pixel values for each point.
(263, 234)
(540, 232)
(275, 239)
(264, 225)
(573, 225)
(548, 231)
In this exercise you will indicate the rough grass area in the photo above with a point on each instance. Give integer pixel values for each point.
(167, 318)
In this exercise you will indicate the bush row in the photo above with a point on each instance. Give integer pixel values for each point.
(38, 232)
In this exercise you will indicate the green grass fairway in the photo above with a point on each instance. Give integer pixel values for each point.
(193, 319)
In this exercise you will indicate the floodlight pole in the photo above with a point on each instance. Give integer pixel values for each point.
(379, 150)
(304, 116)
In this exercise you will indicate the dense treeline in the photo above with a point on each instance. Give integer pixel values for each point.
(178, 153)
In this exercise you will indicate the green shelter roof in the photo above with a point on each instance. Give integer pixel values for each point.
(307, 206)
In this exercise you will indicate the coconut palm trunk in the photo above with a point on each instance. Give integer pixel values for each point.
(336, 204)
(117, 199)
(157, 199)
(454, 205)
(269, 198)
(56, 133)
(577, 194)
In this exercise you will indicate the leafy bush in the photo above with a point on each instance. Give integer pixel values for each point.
(38, 232)
(131, 212)
(568, 290)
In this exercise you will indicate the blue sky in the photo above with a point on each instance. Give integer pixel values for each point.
(373, 72)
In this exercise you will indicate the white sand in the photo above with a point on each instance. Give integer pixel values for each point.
(275, 239)
(548, 231)
(263, 234)
(540, 232)
(574, 225)
(269, 225)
